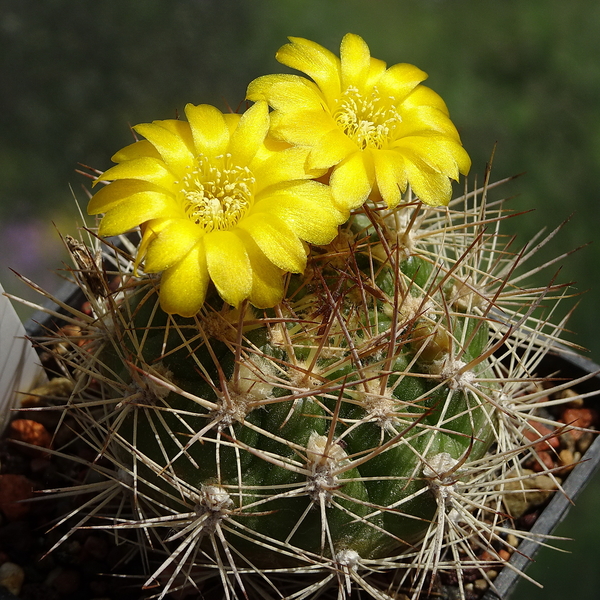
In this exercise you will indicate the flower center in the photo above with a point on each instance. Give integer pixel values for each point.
(369, 121)
(216, 194)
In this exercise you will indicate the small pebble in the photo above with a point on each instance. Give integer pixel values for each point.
(540, 431)
(527, 493)
(504, 554)
(585, 440)
(481, 585)
(96, 546)
(30, 432)
(59, 387)
(578, 417)
(64, 581)
(567, 459)
(512, 540)
(12, 577)
(14, 489)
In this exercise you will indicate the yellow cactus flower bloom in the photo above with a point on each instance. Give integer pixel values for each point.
(378, 129)
(216, 200)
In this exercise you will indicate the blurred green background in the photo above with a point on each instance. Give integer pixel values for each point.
(524, 75)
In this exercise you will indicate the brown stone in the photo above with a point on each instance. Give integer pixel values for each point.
(540, 431)
(578, 417)
(30, 432)
(13, 490)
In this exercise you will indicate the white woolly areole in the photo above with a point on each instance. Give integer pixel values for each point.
(321, 457)
(439, 465)
(450, 370)
(323, 463)
(348, 558)
(214, 499)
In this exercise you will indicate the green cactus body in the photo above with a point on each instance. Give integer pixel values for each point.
(313, 429)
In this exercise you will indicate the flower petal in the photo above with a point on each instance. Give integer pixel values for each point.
(250, 133)
(302, 128)
(183, 286)
(440, 153)
(321, 65)
(400, 80)
(282, 166)
(424, 96)
(132, 212)
(391, 176)
(277, 240)
(425, 120)
(430, 187)
(376, 70)
(267, 279)
(171, 147)
(355, 61)
(331, 148)
(293, 203)
(352, 180)
(108, 196)
(209, 130)
(286, 92)
(145, 168)
(138, 149)
(228, 265)
(174, 240)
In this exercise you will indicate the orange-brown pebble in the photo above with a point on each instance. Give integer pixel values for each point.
(504, 554)
(30, 432)
(578, 417)
(547, 459)
(14, 489)
(540, 432)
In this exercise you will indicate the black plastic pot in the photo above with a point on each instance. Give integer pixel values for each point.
(560, 363)
(570, 366)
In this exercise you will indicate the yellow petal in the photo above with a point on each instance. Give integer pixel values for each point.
(283, 166)
(430, 187)
(355, 61)
(209, 130)
(250, 133)
(424, 96)
(400, 80)
(302, 128)
(145, 168)
(171, 147)
(231, 120)
(174, 240)
(287, 93)
(308, 210)
(277, 240)
(131, 212)
(391, 176)
(425, 120)
(267, 279)
(438, 152)
(352, 181)
(331, 148)
(228, 265)
(317, 62)
(108, 196)
(138, 149)
(183, 286)
(376, 70)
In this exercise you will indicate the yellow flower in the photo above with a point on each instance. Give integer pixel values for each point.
(216, 200)
(378, 129)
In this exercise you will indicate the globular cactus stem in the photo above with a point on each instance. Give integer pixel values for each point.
(362, 434)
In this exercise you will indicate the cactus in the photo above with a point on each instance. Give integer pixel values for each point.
(351, 415)
(370, 423)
